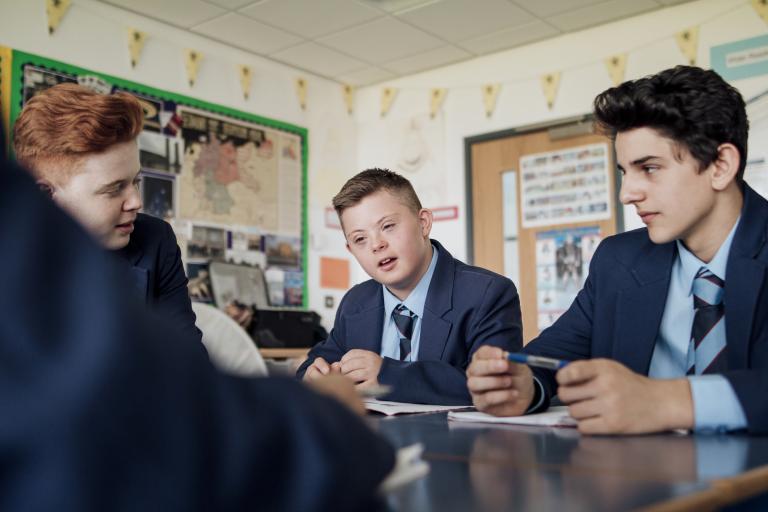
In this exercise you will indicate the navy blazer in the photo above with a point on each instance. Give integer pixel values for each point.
(617, 314)
(466, 307)
(158, 274)
(104, 408)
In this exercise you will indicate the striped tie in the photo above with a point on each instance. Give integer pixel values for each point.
(404, 320)
(706, 353)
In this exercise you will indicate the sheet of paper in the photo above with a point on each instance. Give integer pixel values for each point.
(392, 408)
(554, 417)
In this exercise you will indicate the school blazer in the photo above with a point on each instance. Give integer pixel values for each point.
(157, 274)
(617, 314)
(466, 307)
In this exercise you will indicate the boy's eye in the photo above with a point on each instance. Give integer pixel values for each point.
(359, 240)
(388, 226)
(137, 181)
(650, 169)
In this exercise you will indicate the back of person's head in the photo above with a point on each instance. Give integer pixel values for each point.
(371, 181)
(64, 123)
(693, 107)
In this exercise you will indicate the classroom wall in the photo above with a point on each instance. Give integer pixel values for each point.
(92, 35)
(648, 39)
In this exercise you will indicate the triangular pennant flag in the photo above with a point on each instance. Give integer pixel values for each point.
(688, 41)
(301, 92)
(490, 92)
(761, 8)
(387, 97)
(349, 97)
(136, 40)
(616, 65)
(193, 59)
(549, 84)
(436, 98)
(56, 9)
(245, 80)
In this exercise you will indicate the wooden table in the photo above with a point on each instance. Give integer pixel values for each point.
(284, 353)
(490, 468)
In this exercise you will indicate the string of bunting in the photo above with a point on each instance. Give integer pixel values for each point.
(687, 41)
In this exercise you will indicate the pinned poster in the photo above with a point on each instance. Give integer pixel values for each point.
(688, 41)
(192, 63)
(136, 40)
(387, 97)
(761, 8)
(616, 66)
(490, 93)
(549, 84)
(55, 10)
(334, 273)
(436, 98)
(245, 80)
(301, 92)
(349, 97)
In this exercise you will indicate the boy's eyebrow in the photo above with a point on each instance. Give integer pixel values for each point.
(378, 222)
(641, 161)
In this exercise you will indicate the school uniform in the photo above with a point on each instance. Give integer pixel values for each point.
(457, 309)
(637, 307)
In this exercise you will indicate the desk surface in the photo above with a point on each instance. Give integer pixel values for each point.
(477, 467)
(284, 353)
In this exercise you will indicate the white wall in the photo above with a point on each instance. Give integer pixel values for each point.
(93, 36)
(648, 39)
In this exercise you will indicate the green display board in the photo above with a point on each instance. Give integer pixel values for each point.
(236, 181)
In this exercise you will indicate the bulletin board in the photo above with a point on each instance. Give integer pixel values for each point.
(232, 184)
(5, 89)
(565, 201)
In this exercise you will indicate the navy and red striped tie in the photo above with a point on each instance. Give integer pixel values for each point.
(404, 319)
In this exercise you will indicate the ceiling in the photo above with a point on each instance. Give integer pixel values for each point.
(362, 42)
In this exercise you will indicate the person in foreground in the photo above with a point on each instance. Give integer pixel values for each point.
(415, 324)
(105, 408)
(81, 147)
(671, 328)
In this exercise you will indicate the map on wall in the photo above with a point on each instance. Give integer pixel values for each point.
(207, 169)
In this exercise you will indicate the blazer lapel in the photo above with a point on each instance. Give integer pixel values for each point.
(744, 277)
(434, 328)
(132, 255)
(360, 323)
(639, 309)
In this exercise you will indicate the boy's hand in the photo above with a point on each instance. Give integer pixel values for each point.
(320, 368)
(498, 386)
(606, 397)
(362, 367)
(341, 389)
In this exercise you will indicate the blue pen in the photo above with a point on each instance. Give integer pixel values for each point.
(538, 361)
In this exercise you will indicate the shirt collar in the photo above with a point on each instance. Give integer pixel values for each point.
(690, 264)
(418, 297)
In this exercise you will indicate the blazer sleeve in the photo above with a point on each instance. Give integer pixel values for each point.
(570, 337)
(107, 408)
(496, 321)
(334, 346)
(751, 384)
(171, 297)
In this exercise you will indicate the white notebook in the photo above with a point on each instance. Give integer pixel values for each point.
(554, 417)
(392, 408)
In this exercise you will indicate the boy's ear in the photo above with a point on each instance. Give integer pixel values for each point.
(46, 187)
(726, 166)
(425, 219)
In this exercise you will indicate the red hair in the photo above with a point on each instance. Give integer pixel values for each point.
(66, 122)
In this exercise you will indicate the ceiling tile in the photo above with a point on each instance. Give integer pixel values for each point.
(427, 60)
(456, 20)
(544, 8)
(311, 19)
(672, 2)
(246, 33)
(600, 13)
(380, 41)
(319, 59)
(231, 4)
(396, 6)
(509, 38)
(366, 76)
(181, 13)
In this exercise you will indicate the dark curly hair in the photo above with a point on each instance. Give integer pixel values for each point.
(694, 107)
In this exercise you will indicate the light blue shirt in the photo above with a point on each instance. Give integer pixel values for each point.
(390, 338)
(715, 404)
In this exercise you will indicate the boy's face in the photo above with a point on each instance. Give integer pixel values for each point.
(389, 240)
(663, 182)
(103, 194)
